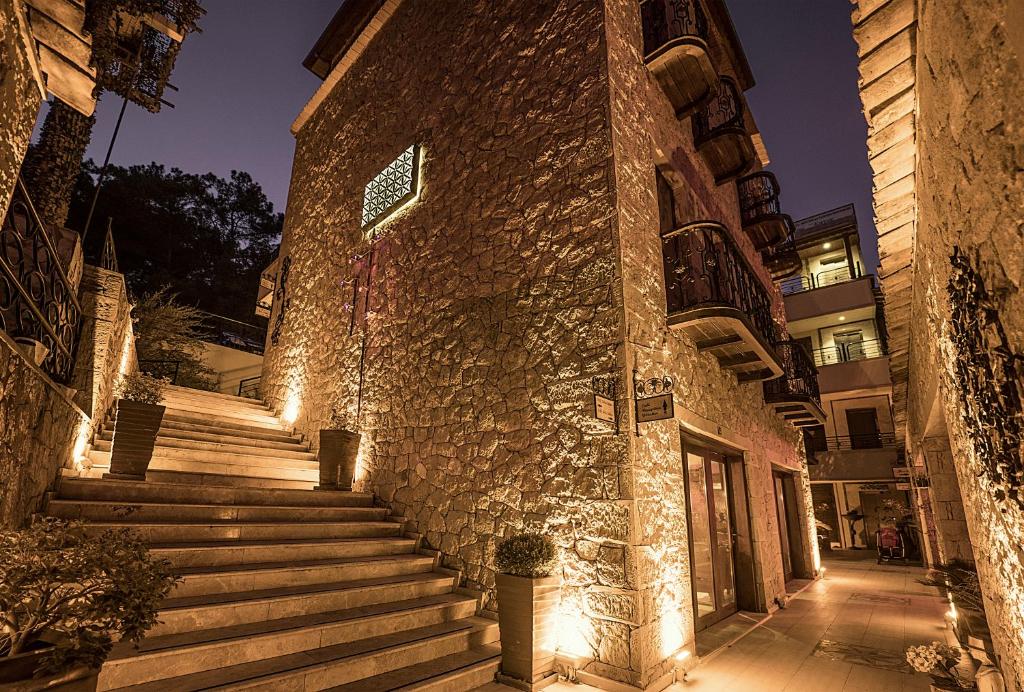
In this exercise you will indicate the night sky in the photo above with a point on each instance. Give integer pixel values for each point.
(242, 84)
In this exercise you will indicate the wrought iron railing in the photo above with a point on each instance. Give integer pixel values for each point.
(759, 197)
(234, 333)
(704, 268)
(161, 369)
(829, 277)
(108, 256)
(800, 378)
(783, 258)
(249, 387)
(725, 112)
(869, 440)
(666, 20)
(37, 301)
(854, 350)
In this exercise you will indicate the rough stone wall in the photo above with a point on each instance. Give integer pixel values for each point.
(708, 399)
(39, 426)
(947, 506)
(19, 99)
(495, 298)
(970, 193)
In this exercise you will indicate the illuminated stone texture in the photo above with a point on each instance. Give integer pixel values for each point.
(529, 264)
(19, 100)
(941, 94)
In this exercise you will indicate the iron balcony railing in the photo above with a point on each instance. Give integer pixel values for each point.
(870, 440)
(800, 380)
(249, 387)
(704, 268)
(724, 113)
(829, 277)
(37, 301)
(234, 333)
(759, 197)
(854, 350)
(667, 20)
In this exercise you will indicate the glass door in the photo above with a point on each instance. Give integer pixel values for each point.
(711, 536)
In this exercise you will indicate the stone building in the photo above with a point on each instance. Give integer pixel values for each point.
(497, 209)
(944, 140)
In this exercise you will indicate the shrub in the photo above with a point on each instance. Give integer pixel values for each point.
(525, 555)
(168, 331)
(960, 579)
(75, 591)
(141, 388)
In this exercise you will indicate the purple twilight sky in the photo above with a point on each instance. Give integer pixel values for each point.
(242, 83)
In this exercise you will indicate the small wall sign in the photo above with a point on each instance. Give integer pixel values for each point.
(654, 408)
(603, 389)
(604, 408)
(900, 472)
(903, 486)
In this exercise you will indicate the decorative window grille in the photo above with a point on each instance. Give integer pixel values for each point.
(392, 187)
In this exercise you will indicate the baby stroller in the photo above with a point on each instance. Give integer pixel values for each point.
(889, 542)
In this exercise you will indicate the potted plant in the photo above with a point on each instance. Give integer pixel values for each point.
(528, 599)
(64, 598)
(137, 418)
(339, 449)
(939, 661)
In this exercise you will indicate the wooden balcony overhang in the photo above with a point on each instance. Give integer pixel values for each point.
(676, 52)
(801, 410)
(760, 211)
(727, 333)
(721, 136)
(795, 396)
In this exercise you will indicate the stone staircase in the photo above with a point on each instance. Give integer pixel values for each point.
(283, 588)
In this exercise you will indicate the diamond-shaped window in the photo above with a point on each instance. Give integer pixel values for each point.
(392, 187)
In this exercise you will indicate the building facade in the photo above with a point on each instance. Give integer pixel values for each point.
(944, 123)
(497, 212)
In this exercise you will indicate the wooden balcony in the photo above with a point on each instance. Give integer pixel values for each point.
(676, 52)
(715, 298)
(783, 261)
(721, 136)
(763, 220)
(795, 395)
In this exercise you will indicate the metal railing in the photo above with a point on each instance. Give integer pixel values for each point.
(234, 333)
(829, 277)
(873, 440)
(704, 268)
(249, 387)
(843, 353)
(725, 112)
(37, 301)
(666, 20)
(800, 378)
(783, 259)
(759, 197)
(161, 369)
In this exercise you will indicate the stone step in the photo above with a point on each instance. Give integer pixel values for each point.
(222, 422)
(204, 399)
(119, 511)
(199, 581)
(227, 532)
(172, 443)
(127, 492)
(161, 657)
(171, 427)
(227, 415)
(201, 477)
(459, 672)
(178, 390)
(284, 469)
(339, 664)
(216, 610)
(166, 435)
(213, 553)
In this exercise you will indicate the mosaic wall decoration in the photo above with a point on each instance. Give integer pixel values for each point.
(392, 187)
(989, 380)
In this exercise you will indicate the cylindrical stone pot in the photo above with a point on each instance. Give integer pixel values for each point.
(17, 674)
(528, 620)
(339, 450)
(135, 430)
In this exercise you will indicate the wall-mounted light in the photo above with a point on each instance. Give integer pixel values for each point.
(827, 246)
(842, 318)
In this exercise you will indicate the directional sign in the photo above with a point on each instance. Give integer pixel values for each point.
(655, 408)
(604, 408)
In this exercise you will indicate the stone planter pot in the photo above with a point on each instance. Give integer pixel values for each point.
(528, 619)
(339, 450)
(135, 429)
(17, 674)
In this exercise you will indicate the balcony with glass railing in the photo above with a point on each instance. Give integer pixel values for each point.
(676, 52)
(821, 279)
(851, 351)
(715, 297)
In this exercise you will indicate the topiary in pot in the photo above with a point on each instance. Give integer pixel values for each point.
(64, 598)
(338, 453)
(528, 599)
(137, 419)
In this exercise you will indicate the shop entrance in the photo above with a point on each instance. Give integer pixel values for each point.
(789, 525)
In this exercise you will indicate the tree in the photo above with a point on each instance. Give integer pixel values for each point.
(168, 332)
(205, 237)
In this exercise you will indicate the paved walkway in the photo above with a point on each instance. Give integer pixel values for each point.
(844, 633)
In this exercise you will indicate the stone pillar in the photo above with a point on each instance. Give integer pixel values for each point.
(947, 506)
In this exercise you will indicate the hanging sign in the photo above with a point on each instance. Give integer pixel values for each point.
(900, 472)
(652, 408)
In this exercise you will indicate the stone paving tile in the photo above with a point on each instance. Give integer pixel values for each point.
(869, 612)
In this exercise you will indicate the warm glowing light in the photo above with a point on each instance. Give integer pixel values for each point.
(127, 348)
(683, 655)
(291, 409)
(671, 631)
(572, 632)
(81, 442)
(842, 318)
(827, 246)
(951, 614)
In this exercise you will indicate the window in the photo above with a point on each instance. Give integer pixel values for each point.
(392, 187)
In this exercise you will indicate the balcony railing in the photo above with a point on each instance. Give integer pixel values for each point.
(720, 133)
(234, 333)
(795, 395)
(676, 52)
(829, 277)
(855, 350)
(872, 440)
(760, 210)
(783, 260)
(37, 302)
(714, 295)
